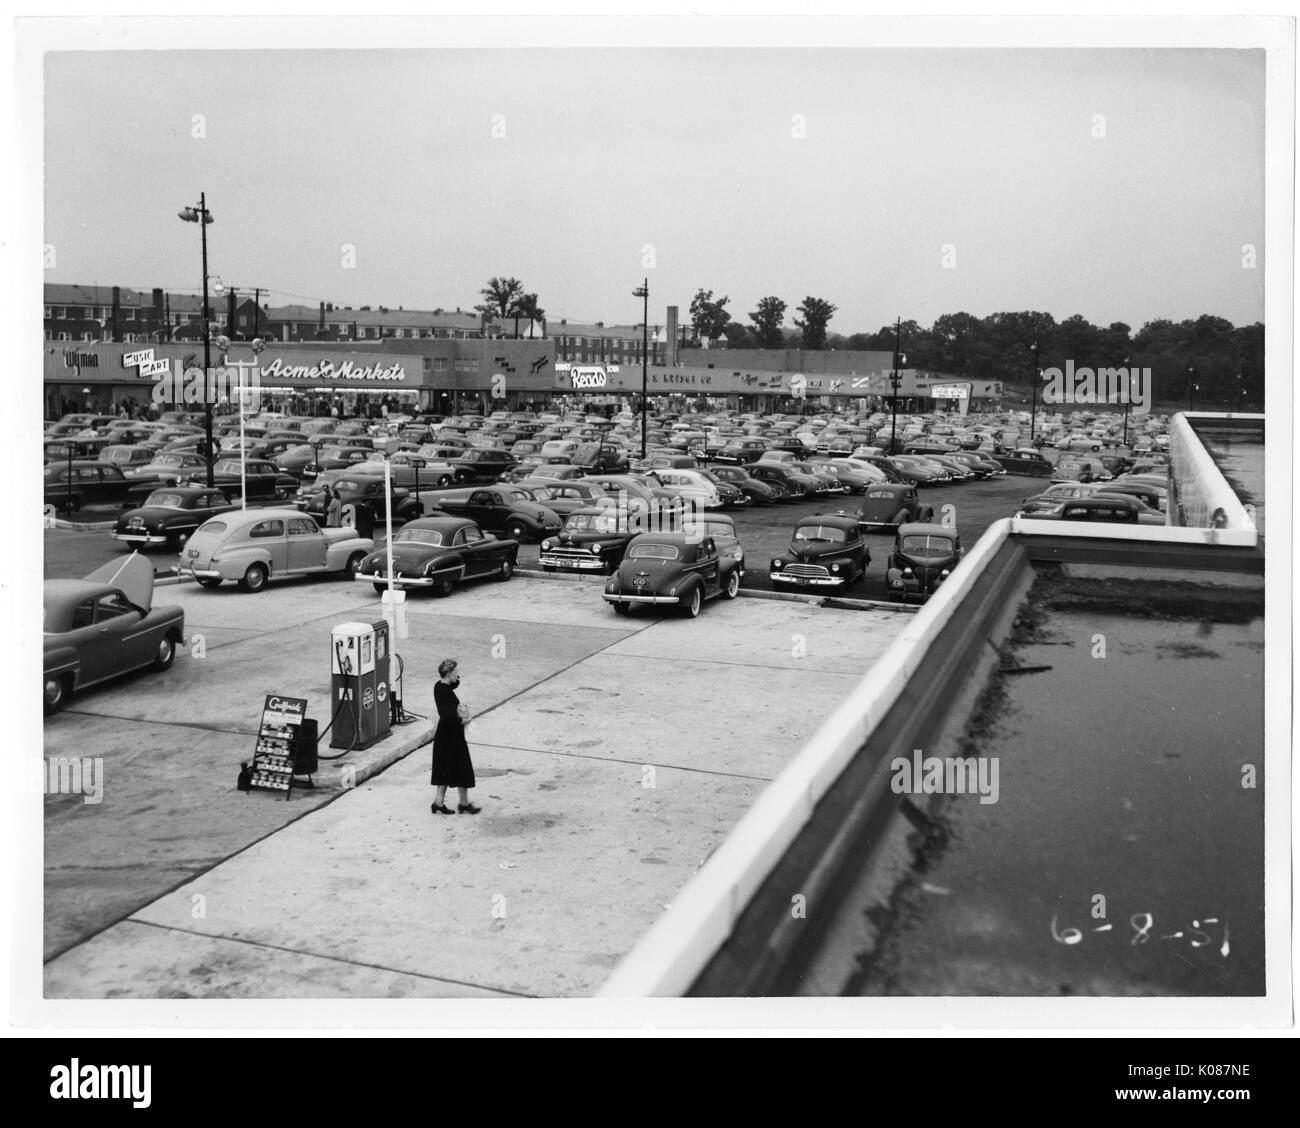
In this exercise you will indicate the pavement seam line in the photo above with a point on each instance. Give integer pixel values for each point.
(318, 956)
(619, 760)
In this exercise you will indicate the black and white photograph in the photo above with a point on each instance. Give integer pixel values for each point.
(791, 514)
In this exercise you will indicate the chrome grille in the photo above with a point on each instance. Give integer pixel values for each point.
(806, 570)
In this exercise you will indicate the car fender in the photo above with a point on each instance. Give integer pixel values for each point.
(232, 563)
(337, 553)
(63, 660)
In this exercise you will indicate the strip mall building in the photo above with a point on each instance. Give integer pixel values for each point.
(448, 376)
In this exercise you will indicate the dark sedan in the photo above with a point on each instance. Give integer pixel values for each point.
(798, 484)
(924, 556)
(825, 552)
(105, 626)
(169, 516)
(672, 568)
(437, 553)
(888, 505)
(759, 493)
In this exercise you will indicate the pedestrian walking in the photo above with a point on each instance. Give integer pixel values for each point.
(451, 763)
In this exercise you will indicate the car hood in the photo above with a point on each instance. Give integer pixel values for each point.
(134, 576)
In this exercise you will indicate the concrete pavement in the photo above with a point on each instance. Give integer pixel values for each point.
(613, 756)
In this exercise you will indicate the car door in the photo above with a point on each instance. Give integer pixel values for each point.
(305, 545)
(708, 565)
(107, 648)
(476, 550)
(479, 507)
(269, 535)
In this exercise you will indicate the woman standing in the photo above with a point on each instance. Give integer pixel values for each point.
(451, 762)
(334, 511)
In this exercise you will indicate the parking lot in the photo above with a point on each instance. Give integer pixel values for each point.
(613, 756)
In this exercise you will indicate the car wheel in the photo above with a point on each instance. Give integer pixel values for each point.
(622, 608)
(692, 603)
(166, 653)
(56, 692)
(176, 541)
(442, 588)
(281, 492)
(380, 588)
(515, 530)
(255, 578)
(209, 581)
(353, 566)
(443, 482)
(506, 570)
(733, 585)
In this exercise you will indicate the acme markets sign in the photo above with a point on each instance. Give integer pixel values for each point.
(329, 370)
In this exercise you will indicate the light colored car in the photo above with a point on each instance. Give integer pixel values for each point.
(252, 546)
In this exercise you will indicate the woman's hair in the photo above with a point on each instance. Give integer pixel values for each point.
(446, 666)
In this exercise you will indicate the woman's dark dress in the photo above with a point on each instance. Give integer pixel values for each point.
(451, 762)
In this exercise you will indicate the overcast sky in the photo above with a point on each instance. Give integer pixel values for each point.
(693, 152)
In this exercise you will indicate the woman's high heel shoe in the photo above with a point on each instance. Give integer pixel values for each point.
(440, 808)
(466, 809)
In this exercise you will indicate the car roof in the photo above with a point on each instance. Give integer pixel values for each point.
(68, 593)
(894, 487)
(442, 524)
(186, 491)
(834, 520)
(240, 517)
(928, 530)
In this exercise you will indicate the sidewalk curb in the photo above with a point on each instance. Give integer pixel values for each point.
(360, 766)
(84, 526)
(836, 601)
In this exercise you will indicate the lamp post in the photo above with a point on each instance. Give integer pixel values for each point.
(1128, 398)
(894, 381)
(643, 292)
(1033, 407)
(203, 217)
(1191, 387)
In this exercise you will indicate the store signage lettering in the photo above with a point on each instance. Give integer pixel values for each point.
(74, 359)
(135, 359)
(328, 370)
(589, 377)
(950, 391)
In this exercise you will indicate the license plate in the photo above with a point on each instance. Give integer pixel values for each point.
(801, 579)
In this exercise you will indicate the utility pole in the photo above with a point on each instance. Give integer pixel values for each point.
(643, 292)
(894, 381)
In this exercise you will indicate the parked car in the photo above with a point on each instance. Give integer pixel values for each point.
(131, 460)
(672, 568)
(358, 491)
(982, 465)
(72, 486)
(258, 477)
(798, 484)
(1147, 514)
(1108, 508)
(1055, 496)
(593, 539)
(1079, 441)
(71, 446)
(437, 553)
(169, 516)
(741, 451)
(409, 469)
(1025, 460)
(560, 496)
(851, 477)
(254, 546)
(1079, 468)
(759, 493)
(919, 470)
(505, 509)
(484, 464)
(335, 458)
(924, 556)
(171, 467)
(889, 505)
(103, 627)
(825, 552)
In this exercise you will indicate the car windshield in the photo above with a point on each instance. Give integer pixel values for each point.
(880, 494)
(592, 523)
(542, 493)
(653, 552)
(819, 534)
(348, 484)
(927, 545)
(166, 500)
(419, 536)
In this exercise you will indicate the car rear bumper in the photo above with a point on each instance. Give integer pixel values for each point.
(140, 538)
(199, 573)
(621, 598)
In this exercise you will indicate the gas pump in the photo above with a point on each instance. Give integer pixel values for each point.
(360, 684)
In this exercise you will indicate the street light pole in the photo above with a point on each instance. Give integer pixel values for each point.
(1191, 387)
(894, 381)
(1033, 407)
(203, 217)
(1128, 399)
(643, 292)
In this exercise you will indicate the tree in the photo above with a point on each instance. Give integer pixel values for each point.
(817, 313)
(525, 305)
(499, 296)
(767, 321)
(709, 318)
(740, 337)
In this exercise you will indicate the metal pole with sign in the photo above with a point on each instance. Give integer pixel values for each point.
(394, 598)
